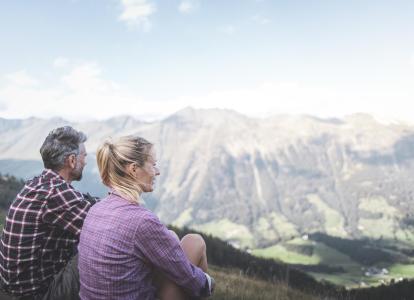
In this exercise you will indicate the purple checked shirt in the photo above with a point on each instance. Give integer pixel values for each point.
(121, 244)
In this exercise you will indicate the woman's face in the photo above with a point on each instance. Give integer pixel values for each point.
(147, 173)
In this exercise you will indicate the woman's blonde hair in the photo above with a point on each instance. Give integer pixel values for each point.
(113, 158)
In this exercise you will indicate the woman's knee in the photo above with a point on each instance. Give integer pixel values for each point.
(195, 241)
(194, 247)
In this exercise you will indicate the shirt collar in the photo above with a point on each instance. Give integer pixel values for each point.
(115, 193)
(50, 174)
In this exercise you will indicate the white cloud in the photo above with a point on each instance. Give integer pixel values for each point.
(80, 93)
(136, 13)
(87, 77)
(228, 29)
(188, 6)
(261, 20)
(21, 78)
(61, 62)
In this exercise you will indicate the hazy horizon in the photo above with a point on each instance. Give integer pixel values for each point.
(147, 119)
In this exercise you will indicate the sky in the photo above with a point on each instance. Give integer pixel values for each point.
(96, 59)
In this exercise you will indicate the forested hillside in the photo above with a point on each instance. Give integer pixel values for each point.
(9, 187)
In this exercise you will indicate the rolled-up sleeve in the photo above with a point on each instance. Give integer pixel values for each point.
(163, 250)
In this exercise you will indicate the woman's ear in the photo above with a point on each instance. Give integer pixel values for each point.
(132, 169)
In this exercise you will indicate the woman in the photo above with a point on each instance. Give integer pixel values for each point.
(125, 252)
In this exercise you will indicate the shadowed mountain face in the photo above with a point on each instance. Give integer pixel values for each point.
(255, 181)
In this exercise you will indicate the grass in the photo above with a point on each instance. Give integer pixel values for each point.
(283, 226)
(381, 227)
(184, 218)
(322, 254)
(281, 253)
(353, 273)
(227, 230)
(334, 222)
(232, 285)
(398, 270)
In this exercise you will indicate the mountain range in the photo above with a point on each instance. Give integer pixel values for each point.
(252, 181)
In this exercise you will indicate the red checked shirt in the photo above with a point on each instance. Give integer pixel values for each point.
(41, 233)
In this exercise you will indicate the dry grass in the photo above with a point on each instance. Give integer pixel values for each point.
(232, 285)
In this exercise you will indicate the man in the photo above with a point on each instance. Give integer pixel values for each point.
(38, 246)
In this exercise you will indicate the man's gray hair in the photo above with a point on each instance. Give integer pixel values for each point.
(59, 144)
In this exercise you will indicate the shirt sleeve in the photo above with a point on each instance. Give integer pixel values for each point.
(163, 250)
(66, 208)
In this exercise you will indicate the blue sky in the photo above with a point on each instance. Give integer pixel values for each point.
(93, 59)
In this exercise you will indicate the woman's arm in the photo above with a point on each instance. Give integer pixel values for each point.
(163, 250)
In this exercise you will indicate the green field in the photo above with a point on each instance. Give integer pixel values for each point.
(353, 274)
(228, 231)
(289, 251)
(406, 271)
(322, 254)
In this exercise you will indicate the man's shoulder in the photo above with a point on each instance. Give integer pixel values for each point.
(43, 183)
(47, 178)
(47, 185)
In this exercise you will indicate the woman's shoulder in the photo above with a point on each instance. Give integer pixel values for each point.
(113, 204)
(123, 213)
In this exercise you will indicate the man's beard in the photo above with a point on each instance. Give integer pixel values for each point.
(77, 174)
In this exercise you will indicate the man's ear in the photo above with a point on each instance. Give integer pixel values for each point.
(72, 160)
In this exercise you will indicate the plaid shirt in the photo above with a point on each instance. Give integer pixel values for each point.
(41, 233)
(122, 245)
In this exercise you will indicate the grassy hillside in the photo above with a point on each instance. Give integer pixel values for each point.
(320, 260)
(346, 262)
(225, 256)
(233, 285)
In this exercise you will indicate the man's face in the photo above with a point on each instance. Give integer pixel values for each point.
(76, 173)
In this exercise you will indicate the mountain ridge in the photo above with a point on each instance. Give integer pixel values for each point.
(257, 181)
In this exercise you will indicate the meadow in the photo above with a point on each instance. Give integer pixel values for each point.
(232, 284)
